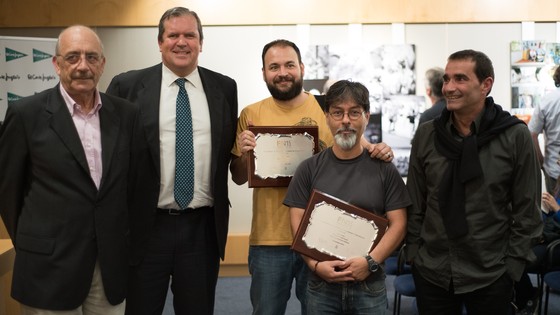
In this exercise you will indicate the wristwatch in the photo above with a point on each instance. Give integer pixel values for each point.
(373, 266)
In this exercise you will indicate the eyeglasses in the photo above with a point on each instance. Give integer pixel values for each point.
(352, 114)
(74, 58)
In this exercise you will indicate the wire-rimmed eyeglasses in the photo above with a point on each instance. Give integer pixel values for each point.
(74, 58)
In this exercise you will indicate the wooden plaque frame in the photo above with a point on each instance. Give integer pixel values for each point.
(281, 181)
(299, 244)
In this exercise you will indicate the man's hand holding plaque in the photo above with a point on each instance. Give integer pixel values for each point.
(332, 229)
(338, 240)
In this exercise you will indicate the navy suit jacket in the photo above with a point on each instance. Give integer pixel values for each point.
(143, 87)
(59, 222)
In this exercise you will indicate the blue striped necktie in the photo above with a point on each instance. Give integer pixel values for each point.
(184, 152)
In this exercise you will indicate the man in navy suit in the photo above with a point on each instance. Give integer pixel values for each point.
(171, 242)
(64, 156)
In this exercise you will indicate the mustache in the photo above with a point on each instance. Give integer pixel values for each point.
(286, 78)
(82, 76)
(346, 129)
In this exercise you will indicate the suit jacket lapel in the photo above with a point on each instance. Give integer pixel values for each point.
(215, 100)
(110, 126)
(62, 124)
(148, 100)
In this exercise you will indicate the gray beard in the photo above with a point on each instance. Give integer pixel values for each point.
(345, 142)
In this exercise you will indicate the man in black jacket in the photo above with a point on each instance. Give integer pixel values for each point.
(63, 187)
(174, 241)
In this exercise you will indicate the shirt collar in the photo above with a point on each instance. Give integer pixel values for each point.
(475, 125)
(168, 77)
(71, 104)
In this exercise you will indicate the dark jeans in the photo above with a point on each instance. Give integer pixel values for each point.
(273, 270)
(182, 249)
(364, 297)
(493, 299)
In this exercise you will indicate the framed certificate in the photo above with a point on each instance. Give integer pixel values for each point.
(278, 153)
(332, 229)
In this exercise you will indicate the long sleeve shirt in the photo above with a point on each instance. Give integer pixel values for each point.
(502, 211)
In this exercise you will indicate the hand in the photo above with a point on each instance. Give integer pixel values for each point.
(549, 202)
(332, 271)
(358, 266)
(246, 141)
(380, 151)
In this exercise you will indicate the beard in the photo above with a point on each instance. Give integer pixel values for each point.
(291, 93)
(346, 141)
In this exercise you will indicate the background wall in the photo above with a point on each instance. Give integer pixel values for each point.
(236, 51)
(49, 13)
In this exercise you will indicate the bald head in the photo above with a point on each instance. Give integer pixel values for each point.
(80, 33)
(79, 62)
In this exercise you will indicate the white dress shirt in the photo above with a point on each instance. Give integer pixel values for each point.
(201, 140)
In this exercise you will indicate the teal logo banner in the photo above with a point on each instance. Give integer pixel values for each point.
(13, 54)
(13, 97)
(40, 55)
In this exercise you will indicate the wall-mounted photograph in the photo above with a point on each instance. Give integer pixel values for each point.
(389, 73)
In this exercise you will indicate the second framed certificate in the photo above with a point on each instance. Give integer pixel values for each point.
(278, 153)
(332, 229)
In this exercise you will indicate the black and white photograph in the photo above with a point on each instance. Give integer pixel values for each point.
(389, 73)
